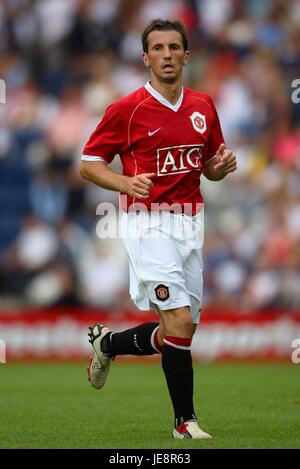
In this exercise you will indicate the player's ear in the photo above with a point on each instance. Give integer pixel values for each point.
(146, 60)
(186, 58)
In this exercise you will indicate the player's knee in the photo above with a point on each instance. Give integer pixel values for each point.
(185, 323)
(179, 323)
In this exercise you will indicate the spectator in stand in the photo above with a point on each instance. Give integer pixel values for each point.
(63, 62)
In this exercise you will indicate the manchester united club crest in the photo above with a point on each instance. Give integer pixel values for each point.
(162, 292)
(198, 121)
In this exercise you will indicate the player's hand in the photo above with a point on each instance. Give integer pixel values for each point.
(139, 186)
(225, 161)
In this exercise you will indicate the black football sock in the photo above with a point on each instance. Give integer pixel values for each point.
(178, 368)
(140, 340)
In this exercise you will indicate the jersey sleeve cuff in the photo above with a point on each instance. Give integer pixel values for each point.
(94, 158)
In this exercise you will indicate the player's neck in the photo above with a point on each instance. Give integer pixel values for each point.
(170, 91)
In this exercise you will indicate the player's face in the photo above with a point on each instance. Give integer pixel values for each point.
(166, 56)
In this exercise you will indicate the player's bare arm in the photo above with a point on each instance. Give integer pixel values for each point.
(221, 165)
(136, 186)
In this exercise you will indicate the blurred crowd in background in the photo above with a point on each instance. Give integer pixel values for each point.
(63, 62)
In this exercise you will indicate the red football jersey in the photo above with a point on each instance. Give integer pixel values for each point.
(153, 136)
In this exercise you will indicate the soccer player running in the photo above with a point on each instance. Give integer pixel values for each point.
(166, 136)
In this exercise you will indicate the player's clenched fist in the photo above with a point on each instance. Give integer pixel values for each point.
(225, 161)
(138, 186)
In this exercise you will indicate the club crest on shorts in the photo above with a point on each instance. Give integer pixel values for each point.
(162, 292)
(198, 121)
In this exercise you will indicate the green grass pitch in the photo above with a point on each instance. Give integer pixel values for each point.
(51, 405)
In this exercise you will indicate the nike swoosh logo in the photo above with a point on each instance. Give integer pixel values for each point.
(152, 133)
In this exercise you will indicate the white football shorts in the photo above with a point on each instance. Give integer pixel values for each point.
(165, 259)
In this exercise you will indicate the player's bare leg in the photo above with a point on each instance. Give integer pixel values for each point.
(177, 364)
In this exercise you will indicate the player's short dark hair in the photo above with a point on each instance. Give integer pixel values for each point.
(164, 25)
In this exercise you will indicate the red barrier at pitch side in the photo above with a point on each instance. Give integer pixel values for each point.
(62, 334)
